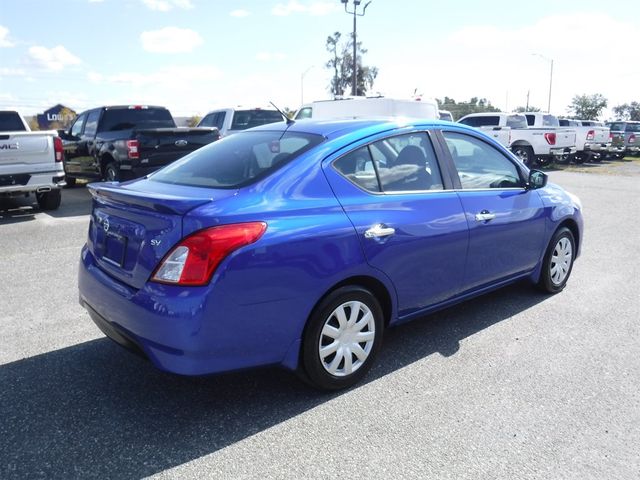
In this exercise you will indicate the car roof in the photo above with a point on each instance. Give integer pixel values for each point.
(337, 128)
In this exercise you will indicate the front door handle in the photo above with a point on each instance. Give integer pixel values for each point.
(378, 231)
(485, 216)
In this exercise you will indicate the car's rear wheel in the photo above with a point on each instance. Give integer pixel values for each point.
(342, 338)
(49, 200)
(525, 154)
(558, 261)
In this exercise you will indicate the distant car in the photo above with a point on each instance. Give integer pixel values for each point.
(298, 244)
(625, 134)
(368, 107)
(445, 115)
(233, 120)
(592, 139)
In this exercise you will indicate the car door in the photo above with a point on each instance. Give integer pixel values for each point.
(506, 220)
(89, 164)
(71, 143)
(409, 221)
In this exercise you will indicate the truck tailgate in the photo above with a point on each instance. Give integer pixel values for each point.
(565, 137)
(161, 146)
(26, 148)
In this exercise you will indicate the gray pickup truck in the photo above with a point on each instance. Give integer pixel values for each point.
(30, 162)
(625, 134)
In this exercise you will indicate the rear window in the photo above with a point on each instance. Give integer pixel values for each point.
(237, 160)
(633, 127)
(516, 121)
(10, 122)
(243, 119)
(619, 126)
(128, 118)
(484, 121)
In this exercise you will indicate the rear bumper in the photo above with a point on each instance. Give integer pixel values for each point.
(31, 182)
(559, 152)
(632, 149)
(597, 147)
(187, 331)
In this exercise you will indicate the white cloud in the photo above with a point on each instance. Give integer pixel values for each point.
(170, 40)
(55, 59)
(171, 76)
(95, 77)
(96, 1)
(240, 13)
(12, 72)
(269, 57)
(166, 5)
(316, 8)
(4, 41)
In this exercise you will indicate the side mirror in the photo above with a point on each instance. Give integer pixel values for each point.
(537, 179)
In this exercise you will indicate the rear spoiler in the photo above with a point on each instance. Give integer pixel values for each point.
(154, 201)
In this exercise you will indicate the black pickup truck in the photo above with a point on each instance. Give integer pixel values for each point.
(125, 142)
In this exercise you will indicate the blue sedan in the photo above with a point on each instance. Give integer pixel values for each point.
(298, 244)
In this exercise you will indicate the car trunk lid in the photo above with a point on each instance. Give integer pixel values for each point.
(134, 225)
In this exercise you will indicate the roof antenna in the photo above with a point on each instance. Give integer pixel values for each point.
(289, 121)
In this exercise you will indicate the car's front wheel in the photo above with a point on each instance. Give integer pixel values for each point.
(342, 338)
(558, 261)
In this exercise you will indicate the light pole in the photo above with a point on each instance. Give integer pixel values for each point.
(550, 60)
(302, 75)
(355, 14)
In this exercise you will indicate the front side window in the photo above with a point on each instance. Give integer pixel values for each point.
(403, 163)
(237, 160)
(480, 165)
(208, 120)
(304, 113)
(76, 128)
(91, 127)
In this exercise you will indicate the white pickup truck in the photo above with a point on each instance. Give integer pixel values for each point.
(531, 144)
(30, 162)
(592, 139)
(364, 107)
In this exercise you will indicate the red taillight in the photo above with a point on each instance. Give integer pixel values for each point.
(58, 149)
(133, 149)
(550, 138)
(591, 135)
(193, 261)
(611, 136)
(632, 138)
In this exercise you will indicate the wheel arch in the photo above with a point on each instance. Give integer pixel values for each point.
(572, 225)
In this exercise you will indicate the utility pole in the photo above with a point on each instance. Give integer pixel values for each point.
(356, 3)
(550, 77)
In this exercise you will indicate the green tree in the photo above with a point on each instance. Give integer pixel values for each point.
(587, 107)
(33, 124)
(460, 109)
(194, 120)
(341, 64)
(628, 111)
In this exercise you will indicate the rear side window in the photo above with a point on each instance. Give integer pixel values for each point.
(10, 122)
(531, 120)
(237, 160)
(404, 163)
(243, 119)
(633, 127)
(127, 118)
(516, 121)
(549, 121)
(484, 121)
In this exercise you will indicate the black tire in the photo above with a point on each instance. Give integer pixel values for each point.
(525, 154)
(579, 158)
(49, 200)
(313, 366)
(71, 181)
(565, 159)
(555, 250)
(111, 172)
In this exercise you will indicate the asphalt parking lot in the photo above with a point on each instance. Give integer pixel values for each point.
(515, 384)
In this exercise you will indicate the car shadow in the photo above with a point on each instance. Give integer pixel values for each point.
(96, 410)
(75, 202)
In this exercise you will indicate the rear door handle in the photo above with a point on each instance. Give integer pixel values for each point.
(485, 216)
(378, 231)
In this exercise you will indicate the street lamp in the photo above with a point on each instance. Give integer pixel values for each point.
(550, 77)
(355, 14)
(302, 75)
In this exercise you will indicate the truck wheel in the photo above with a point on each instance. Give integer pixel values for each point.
(49, 200)
(525, 154)
(112, 173)
(579, 158)
(564, 159)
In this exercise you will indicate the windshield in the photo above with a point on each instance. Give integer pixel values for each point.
(516, 121)
(140, 118)
(237, 160)
(243, 119)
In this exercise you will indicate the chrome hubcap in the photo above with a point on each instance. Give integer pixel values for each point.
(347, 338)
(561, 261)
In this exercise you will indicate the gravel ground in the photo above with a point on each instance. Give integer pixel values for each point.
(514, 384)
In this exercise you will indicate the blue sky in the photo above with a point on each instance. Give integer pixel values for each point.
(194, 55)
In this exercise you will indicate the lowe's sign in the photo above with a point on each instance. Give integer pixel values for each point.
(56, 118)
